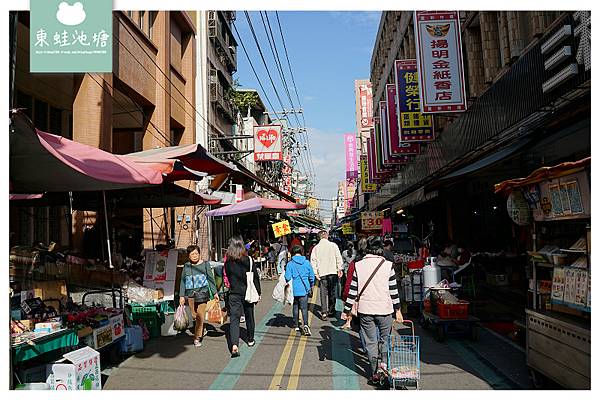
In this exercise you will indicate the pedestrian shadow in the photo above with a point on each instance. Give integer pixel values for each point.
(357, 363)
(281, 321)
(164, 346)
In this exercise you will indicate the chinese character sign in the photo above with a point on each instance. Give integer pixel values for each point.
(383, 136)
(281, 228)
(366, 105)
(414, 125)
(440, 61)
(397, 147)
(286, 171)
(371, 221)
(366, 185)
(351, 161)
(267, 143)
(67, 37)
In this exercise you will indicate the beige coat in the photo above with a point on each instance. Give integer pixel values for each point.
(326, 258)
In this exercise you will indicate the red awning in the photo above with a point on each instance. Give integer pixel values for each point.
(544, 173)
(42, 162)
(189, 162)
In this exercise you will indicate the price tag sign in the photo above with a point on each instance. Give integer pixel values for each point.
(371, 221)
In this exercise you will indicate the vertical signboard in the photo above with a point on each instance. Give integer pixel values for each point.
(286, 172)
(267, 143)
(414, 125)
(397, 147)
(351, 164)
(440, 61)
(365, 94)
(389, 160)
(366, 185)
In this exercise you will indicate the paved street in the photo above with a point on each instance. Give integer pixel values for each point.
(328, 360)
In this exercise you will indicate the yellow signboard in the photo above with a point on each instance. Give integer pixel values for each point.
(367, 187)
(282, 228)
(371, 221)
(347, 229)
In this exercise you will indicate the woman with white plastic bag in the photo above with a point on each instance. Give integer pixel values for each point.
(244, 292)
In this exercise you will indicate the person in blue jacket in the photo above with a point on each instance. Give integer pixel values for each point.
(300, 272)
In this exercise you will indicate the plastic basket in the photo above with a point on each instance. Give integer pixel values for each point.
(453, 311)
(151, 317)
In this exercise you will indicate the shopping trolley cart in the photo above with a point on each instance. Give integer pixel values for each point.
(403, 359)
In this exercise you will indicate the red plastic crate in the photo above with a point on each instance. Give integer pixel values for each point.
(416, 264)
(454, 311)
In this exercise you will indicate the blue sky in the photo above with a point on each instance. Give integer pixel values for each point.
(328, 51)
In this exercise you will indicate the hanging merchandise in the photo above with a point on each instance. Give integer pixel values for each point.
(518, 209)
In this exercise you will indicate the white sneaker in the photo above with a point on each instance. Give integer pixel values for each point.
(242, 320)
(197, 343)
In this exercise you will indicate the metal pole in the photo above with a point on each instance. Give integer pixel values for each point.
(259, 243)
(110, 264)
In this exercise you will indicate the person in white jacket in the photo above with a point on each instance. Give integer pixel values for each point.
(327, 264)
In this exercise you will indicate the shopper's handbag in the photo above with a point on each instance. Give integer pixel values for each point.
(355, 305)
(252, 295)
(214, 313)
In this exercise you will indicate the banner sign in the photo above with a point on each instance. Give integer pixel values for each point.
(267, 143)
(239, 193)
(65, 37)
(366, 185)
(351, 162)
(347, 228)
(281, 228)
(160, 271)
(389, 161)
(440, 61)
(371, 221)
(366, 105)
(414, 125)
(397, 147)
(350, 192)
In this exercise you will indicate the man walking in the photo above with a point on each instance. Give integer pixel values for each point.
(327, 263)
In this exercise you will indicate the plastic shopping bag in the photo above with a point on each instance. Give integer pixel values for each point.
(281, 291)
(289, 293)
(181, 320)
(214, 313)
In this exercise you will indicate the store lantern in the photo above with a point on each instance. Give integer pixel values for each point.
(518, 208)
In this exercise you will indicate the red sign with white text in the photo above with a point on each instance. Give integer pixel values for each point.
(366, 105)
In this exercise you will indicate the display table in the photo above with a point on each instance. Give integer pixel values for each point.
(62, 339)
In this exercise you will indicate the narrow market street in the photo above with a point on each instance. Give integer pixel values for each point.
(327, 360)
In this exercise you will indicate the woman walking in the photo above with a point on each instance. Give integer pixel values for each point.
(375, 289)
(198, 286)
(237, 265)
(300, 272)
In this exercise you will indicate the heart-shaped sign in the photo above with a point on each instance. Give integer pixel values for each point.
(267, 138)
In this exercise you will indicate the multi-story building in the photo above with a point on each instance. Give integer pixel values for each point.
(148, 101)
(521, 115)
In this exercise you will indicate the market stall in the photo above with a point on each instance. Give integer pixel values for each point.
(556, 202)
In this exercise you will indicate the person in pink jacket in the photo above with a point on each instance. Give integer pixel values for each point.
(378, 304)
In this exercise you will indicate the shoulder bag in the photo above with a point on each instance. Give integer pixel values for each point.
(355, 305)
(251, 292)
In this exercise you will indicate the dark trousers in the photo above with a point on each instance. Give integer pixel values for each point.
(300, 303)
(328, 285)
(238, 305)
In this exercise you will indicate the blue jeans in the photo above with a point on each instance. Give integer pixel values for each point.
(302, 303)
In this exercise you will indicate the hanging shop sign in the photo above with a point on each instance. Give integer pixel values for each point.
(239, 193)
(440, 61)
(371, 220)
(413, 124)
(281, 228)
(366, 185)
(384, 143)
(267, 143)
(567, 197)
(350, 192)
(286, 172)
(351, 164)
(347, 229)
(518, 209)
(396, 146)
(365, 94)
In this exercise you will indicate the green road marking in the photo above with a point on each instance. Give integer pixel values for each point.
(230, 375)
(474, 360)
(344, 369)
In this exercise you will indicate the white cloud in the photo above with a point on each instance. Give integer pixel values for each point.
(70, 15)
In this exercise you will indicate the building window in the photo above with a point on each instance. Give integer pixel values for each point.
(130, 14)
(141, 16)
(55, 121)
(151, 19)
(24, 101)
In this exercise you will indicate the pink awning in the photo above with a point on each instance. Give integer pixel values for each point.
(257, 204)
(42, 162)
